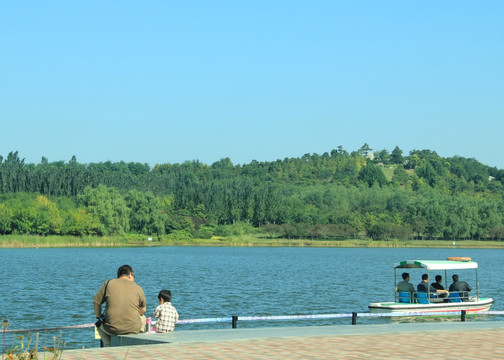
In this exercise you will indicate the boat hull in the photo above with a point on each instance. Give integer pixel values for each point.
(472, 306)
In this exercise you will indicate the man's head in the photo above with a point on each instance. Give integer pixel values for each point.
(125, 271)
(425, 277)
(438, 278)
(165, 295)
(405, 276)
(455, 277)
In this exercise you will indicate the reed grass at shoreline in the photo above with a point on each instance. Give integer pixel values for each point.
(30, 241)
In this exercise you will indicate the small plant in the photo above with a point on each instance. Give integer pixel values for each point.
(56, 351)
(22, 351)
(5, 325)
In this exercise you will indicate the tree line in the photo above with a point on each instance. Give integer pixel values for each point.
(335, 195)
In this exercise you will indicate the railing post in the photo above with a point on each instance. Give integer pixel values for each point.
(234, 320)
(354, 318)
(462, 315)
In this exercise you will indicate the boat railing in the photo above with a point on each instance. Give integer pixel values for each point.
(459, 296)
(420, 297)
(405, 297)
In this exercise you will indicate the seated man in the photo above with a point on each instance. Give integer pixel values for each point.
(405, 287)
(460, 287)
(425, 287)
(437, 285)
(125, 306)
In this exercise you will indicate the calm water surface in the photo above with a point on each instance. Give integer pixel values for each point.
(55, 287)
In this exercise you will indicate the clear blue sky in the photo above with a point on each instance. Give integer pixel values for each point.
(168, 81)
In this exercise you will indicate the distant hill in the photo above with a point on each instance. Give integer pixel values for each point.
(336, 194)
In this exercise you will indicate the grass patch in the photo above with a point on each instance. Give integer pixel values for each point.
(388, 171)
(32, 241)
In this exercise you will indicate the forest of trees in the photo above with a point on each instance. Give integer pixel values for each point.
(336, 195)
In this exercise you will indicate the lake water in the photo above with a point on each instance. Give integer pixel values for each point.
(55, 287)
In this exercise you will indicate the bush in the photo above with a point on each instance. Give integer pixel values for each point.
(237, 229)
(177, 235)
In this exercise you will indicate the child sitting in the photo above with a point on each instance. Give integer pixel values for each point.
(165, 313)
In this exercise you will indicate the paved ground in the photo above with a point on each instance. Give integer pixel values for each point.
(467, 340)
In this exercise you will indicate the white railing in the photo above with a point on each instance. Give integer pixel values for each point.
(234, 319)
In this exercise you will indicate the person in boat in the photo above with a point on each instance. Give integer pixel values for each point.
(165, 313)
(460, 287)
(405, 287)
(426, 288)
(125, 306)
(437, 285)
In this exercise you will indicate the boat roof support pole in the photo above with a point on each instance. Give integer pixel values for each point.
(477, 285)
(428, 285)
(396, 295)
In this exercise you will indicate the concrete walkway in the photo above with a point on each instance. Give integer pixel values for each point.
(442, 340)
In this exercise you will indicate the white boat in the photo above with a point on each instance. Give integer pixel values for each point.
(424, 302)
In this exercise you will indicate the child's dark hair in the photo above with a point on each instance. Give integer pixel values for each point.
(165, 295)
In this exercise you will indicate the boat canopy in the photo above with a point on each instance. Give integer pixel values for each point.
(436, 264)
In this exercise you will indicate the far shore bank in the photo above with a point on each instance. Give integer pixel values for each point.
(28, 241)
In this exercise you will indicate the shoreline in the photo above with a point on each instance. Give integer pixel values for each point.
(36, 242)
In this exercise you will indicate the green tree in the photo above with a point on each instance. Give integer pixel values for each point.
(23, 220)
(145, 212)
(413, 161)
(400, 176)
(79, 222)
(436, 216)
(13, 175)
(380, 231)
(372, 174)
(396, 157)
(49, 214)
(382, 156)
(5, 220)
(415, 216)
(364, 150)
(427, 172)
(106, 204)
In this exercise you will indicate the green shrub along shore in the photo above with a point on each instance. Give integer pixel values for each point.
(31, 241)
